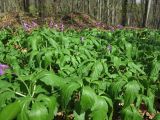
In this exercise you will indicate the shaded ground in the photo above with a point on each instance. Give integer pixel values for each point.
(71, 21)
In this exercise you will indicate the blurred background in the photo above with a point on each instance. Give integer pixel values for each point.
(137, 13)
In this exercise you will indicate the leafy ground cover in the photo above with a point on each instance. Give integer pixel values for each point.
(46, 74)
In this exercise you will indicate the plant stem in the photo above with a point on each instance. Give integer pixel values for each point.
(25, 86)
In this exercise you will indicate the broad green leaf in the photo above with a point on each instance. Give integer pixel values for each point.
(99, 109)
(86, 69)
(109, 101)
(48, 58)
(74, 62)
(88, 98)
(32, 56)
(50, 39)
(130, 113)
(67, 92)
(128, 49)
(131, 91)
(116, 88)
(97, 70)
(79, 117)
(34, 40)
(149, 100)
(10, 112)
(49, 78)
(157, 117)
(5, 97)
(23, 114)
(4, 84)
(135, 67)
(155, 71)
(116, 61)
(38, 112)
(50, 103)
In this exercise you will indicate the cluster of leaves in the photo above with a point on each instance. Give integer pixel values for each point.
(91, 74)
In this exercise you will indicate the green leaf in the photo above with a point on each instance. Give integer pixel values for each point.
(49, 78)
(131, 92)
(109, 101)
(32, 56)
(74, 61)
(4, 84)
(79, 117)
(33, 40)
(86, 69)
(155, 71)
(130, 113)
(97, 70)
(38, 112)
(5, 97)
(48, 58)
(88, 98)
(10, 111)
(50, 103)
(67, 92)
(136, 67)
(99, 109)
(116, 61)
(149, 100)
(116, 88)
(49, 38)
(157, 117)
(128, 47)
(23, 115)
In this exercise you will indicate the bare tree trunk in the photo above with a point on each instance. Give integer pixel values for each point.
(83, 6)
(100, 9)
(41, 9)
(89, 6)
(148, 10)
(26, 5)
(113, 12)
(108, 12)
(97, 9)
(145, 14)
(124, 12)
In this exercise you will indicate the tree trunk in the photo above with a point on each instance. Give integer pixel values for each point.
(89, 7)
(145, 13)
(148, 10)
(26, 5)
(124, 12)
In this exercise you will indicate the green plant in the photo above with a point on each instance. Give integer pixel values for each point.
(88, 78)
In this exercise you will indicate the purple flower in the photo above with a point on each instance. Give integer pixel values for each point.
(55, 25)
(120, 26)
(103, 25)
(26, 26)
(98, 23)
(51, 24)
(61, 27)
(1, 72)
(2, 68)
(34, 24)
(109, 48)
(111, 28)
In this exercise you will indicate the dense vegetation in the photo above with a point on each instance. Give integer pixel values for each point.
(89, 74)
